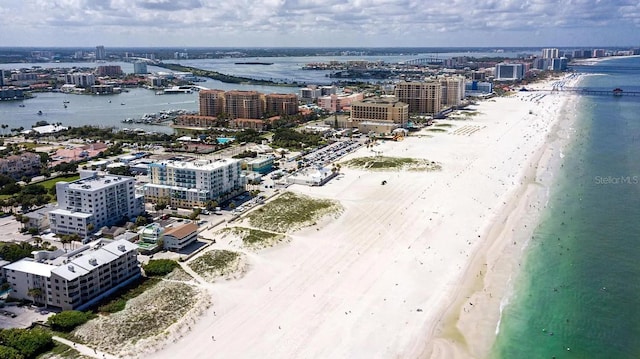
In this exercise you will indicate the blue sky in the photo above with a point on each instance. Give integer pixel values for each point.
(319, 23)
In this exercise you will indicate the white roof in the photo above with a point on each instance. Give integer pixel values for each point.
(65, 212)
(113, 247)
(69, 271)
(98, 182)
(206, 165)
(101, 257)
(46, 129)
(78, 265)
(28, 265)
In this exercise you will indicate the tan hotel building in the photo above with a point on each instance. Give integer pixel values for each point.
(211, 102)
(422, 97)
(281, 104)
(380, 109)
(243, 104)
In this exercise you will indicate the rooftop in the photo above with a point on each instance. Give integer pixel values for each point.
(66, 212)
(97, 182)
(196, 165)
(181, 231)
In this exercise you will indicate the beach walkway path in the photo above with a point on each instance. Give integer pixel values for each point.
(84, 350)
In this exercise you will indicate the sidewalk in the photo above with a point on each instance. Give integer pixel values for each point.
(84, 350)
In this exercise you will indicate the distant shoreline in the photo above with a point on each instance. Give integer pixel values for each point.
(222, 77)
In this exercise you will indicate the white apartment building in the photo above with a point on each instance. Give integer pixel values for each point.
(74, 280)
(100, 200)
(81, 79)
(191, 184)
(550, 53)
(140, 68)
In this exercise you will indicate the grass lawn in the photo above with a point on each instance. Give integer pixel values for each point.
(291, 211)
(255, 238)
(52, 182)
(382, 163)
(218, 263)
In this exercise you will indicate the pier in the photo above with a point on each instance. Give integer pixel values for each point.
(592, 92)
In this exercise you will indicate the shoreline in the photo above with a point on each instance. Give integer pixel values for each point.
(398, 256)
(596, 60)
(466, 330)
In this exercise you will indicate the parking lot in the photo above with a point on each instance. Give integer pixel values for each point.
(10, 230)
(22, 317)
(330, 153)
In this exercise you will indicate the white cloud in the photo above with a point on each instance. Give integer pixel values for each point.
(399, 22)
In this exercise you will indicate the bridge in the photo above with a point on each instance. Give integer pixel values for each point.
(431, 60)
(594, 92)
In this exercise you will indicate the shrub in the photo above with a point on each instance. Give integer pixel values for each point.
(30, 343)
(67, 320)
(159, 267)
(114, 306)
(9, 353)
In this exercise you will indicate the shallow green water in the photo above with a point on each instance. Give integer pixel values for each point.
(578, 295)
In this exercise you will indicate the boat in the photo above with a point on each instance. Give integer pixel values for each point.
(21, 105)
(39, 113)
(122, 103)
(109, 101)
(65, 106)
(65, 101)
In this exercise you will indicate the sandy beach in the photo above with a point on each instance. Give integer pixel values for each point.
(416, 268)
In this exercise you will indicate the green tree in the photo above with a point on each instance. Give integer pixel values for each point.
(44, 157)
(160, 206)
(141, 221)
(15, 251)
(68, 320)
(194, 215)
(159, 267)
(211, 205)
(35, 293)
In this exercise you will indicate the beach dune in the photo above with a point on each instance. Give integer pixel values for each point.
(390, 277)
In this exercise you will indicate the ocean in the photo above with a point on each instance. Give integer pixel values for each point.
(578, 292)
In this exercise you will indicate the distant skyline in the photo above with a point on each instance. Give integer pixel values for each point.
(320, 23)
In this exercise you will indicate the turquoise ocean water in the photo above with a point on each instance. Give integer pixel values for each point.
(578, 295)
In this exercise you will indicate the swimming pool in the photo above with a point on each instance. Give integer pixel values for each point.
(225, 140)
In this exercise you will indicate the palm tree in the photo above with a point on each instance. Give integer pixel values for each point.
(35, 293)
(211, 205)
(64, 240)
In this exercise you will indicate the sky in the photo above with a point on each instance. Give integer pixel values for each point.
(320, 23)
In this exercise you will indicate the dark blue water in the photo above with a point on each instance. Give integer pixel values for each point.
(578, 295)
